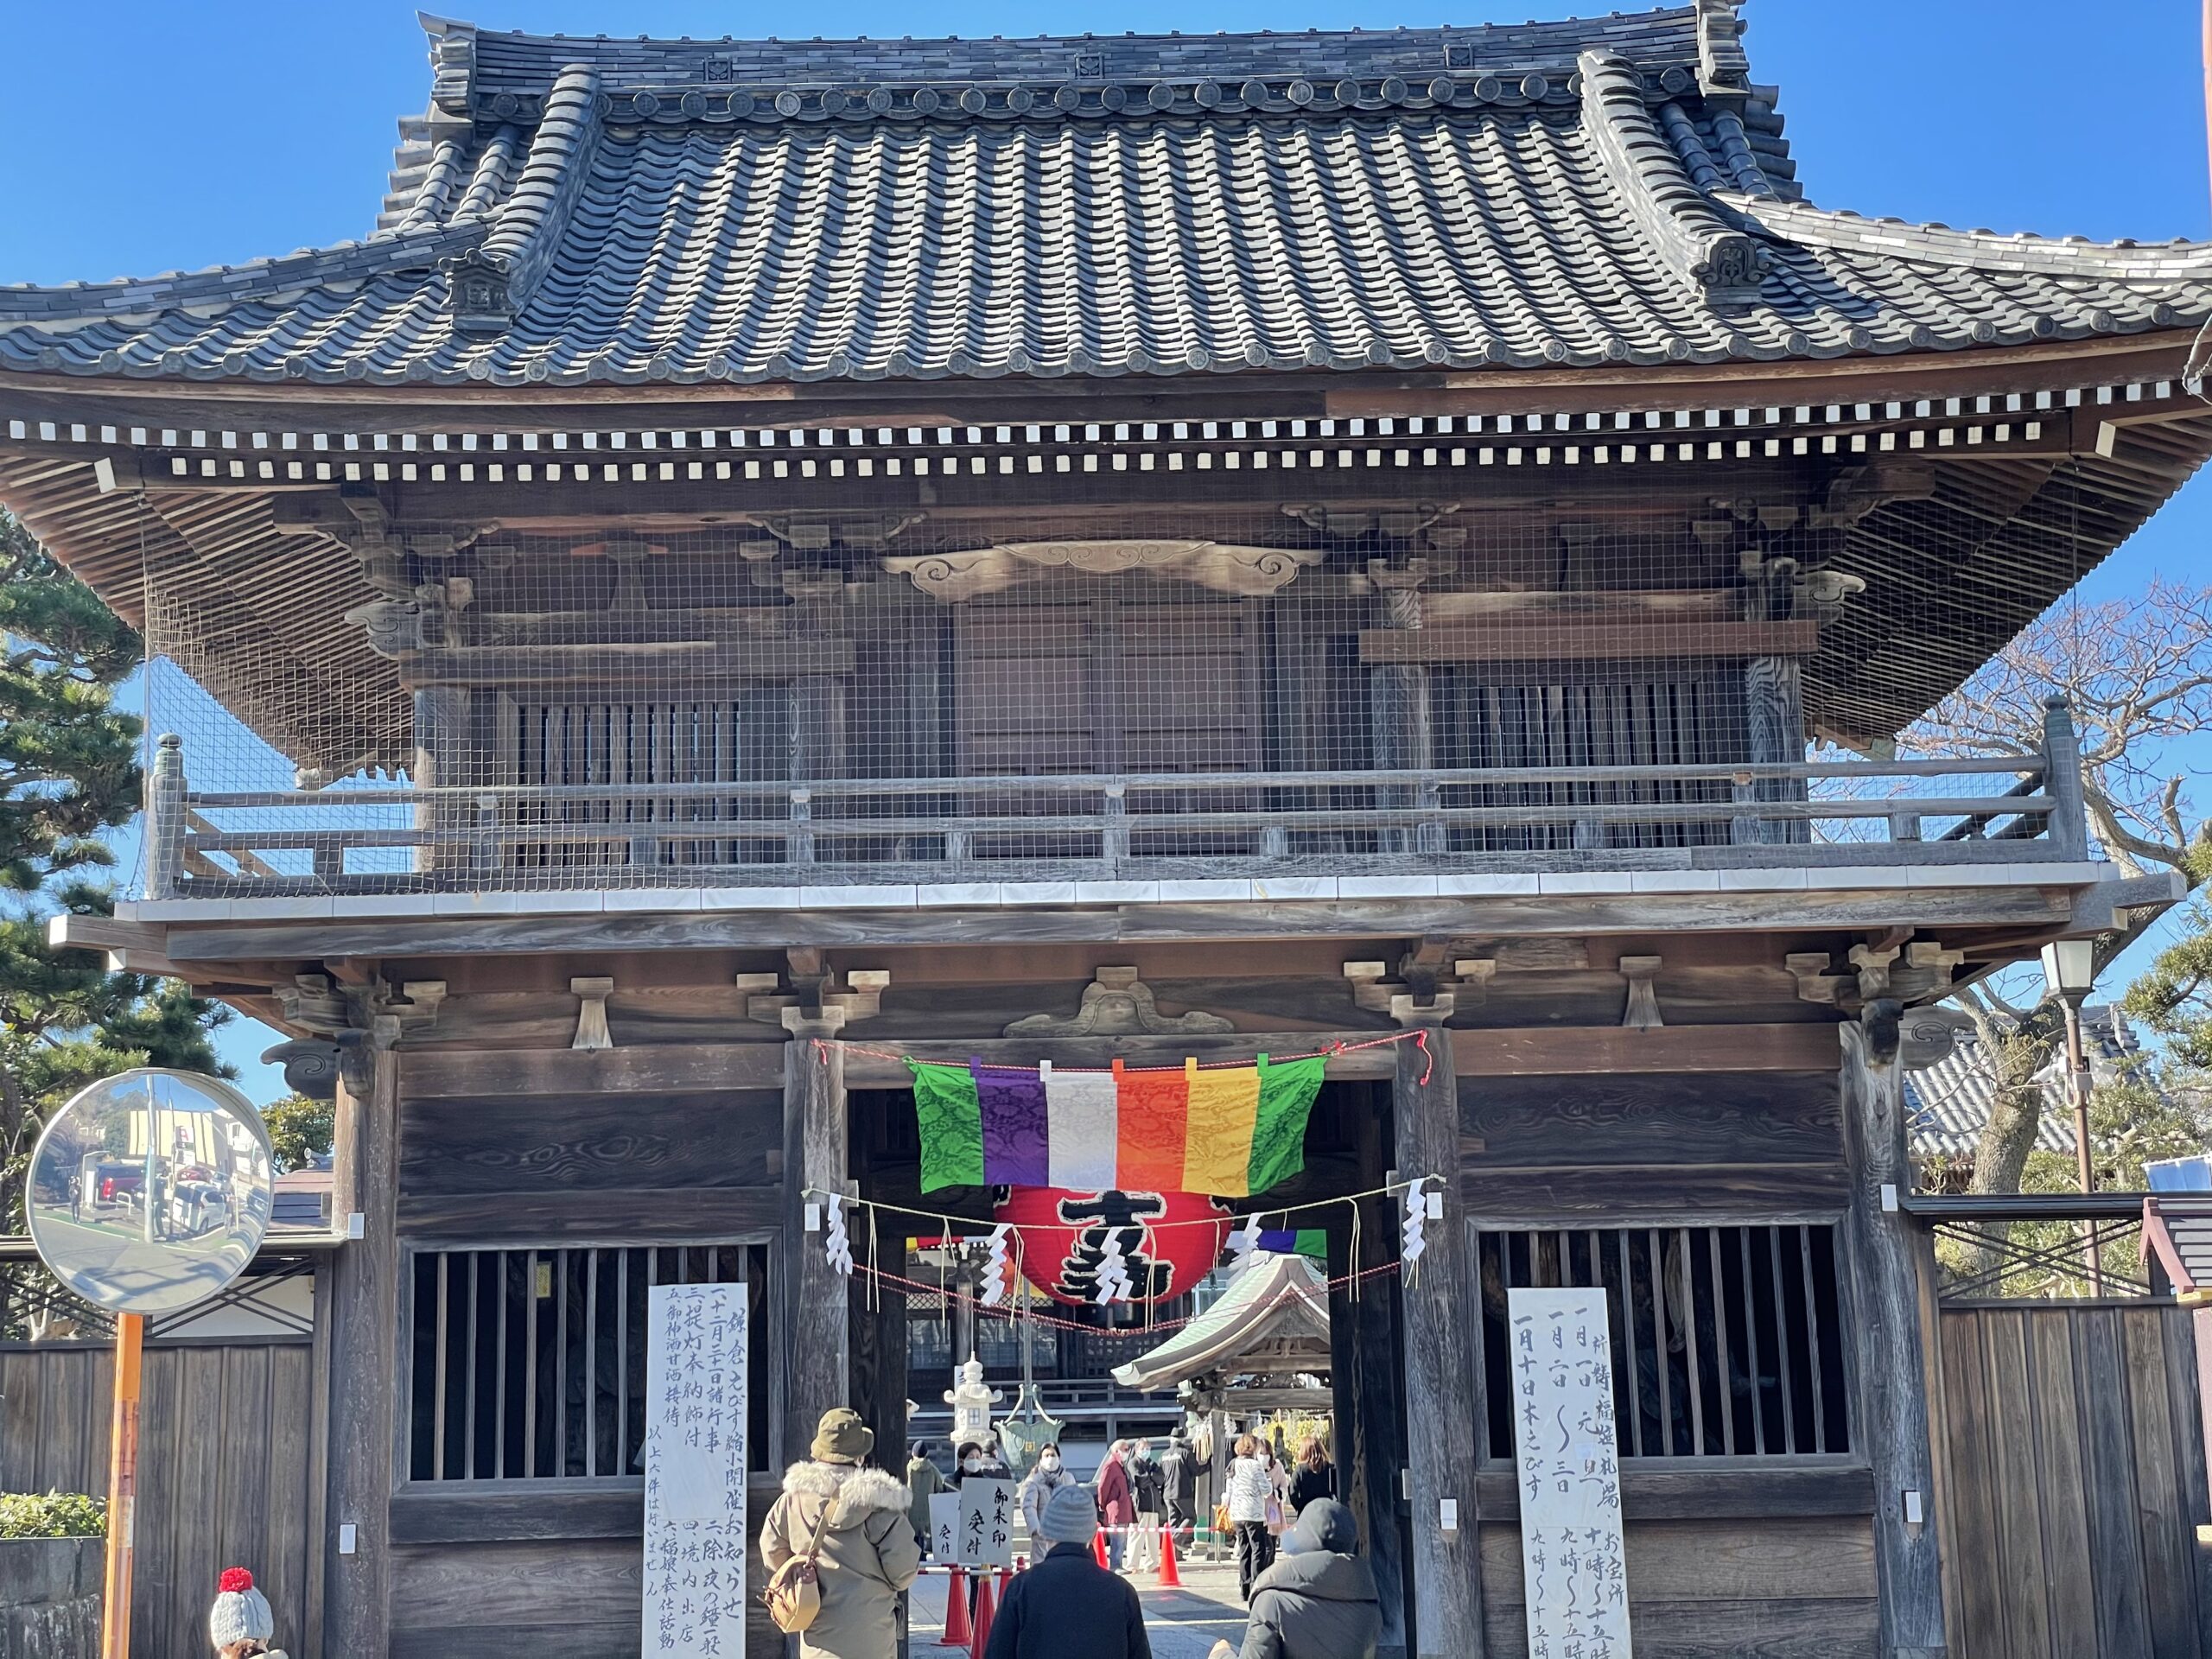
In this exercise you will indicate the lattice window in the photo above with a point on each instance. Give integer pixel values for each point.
(1727, 1341)
(529, 1365)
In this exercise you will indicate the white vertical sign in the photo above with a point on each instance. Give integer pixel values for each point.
(1569, 1456)
(695, 1473)
(987, 1511)
(944, 1526)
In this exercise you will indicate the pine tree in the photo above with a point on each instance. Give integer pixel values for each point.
(69, 772)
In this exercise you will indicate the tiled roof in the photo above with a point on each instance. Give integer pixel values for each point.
(1950, 1101)
(1613, 192)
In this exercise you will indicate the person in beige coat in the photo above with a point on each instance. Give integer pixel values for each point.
(869, 1554)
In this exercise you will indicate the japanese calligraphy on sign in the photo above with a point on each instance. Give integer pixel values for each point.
(987, 1512)
(694, 1473)
(944, 1526)
(1568, 1454)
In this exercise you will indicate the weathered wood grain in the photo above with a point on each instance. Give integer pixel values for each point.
(1734, 1561)
(1792, 1117)
(2021, 1585)
(1827, 1628)
(2108, 1486)
(1554, 640)
(544, 1583)
(613, 1214)
(1791, 1490)
(580, 1143)
(478, 1513)
(686, 1069)
(1442, 1391)
(1615, 1050)
(2183, 1337)
(1655, 1195)
(2168, 1545)
(1892, 1419)
(1642, 913)
(1969, 1428)
(817, 1337)
(2053, 1421)
(364, 1313)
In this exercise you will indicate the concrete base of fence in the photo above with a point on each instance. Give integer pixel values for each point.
(50, 1598)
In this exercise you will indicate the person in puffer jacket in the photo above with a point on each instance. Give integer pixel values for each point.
(1318, 1601)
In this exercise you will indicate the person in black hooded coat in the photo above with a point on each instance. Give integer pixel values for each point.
(1318, 1601)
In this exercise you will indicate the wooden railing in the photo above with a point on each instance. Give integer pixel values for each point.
(1147, 826)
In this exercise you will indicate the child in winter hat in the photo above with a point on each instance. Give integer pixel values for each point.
(240, 1623)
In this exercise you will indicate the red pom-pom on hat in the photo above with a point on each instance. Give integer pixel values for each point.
(236, 1580)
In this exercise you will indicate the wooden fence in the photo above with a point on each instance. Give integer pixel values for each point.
(2071, 1480)
(224, 1473)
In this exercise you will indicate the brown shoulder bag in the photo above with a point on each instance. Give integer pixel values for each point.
(793, 1597)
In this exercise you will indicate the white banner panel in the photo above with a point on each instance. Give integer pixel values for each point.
(695, 1473)
(1569, 1458)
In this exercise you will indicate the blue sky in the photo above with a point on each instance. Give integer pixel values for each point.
(195, 134)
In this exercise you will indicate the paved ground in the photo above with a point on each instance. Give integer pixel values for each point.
(1183, 1624)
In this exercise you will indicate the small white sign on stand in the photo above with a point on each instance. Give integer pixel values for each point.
(695, 1473)
(944, 1526)
(1568, 1454)
(987, 1512)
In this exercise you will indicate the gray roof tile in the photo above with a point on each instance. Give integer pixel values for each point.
(1579, 194)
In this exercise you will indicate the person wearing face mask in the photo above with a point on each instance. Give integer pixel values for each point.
(1037, 1489)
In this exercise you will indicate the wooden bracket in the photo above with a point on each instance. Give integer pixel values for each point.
(1926, 971)
(591, 1018)
(1815, 982)
(815, 995)
(1641, 1013)
(1467, 986)
(1873, 963)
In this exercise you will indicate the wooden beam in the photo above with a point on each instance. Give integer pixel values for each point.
(483, 1074)
(1792, 1488)
(650, 664)
(1550, 639)
(1724, 911)
(1884, 1309)
(1585, 1051)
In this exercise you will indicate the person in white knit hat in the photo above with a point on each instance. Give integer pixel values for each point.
(241, 1623)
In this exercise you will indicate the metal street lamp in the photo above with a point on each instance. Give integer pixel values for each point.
(2070, 969)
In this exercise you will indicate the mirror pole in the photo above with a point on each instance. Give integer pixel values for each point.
(122, 1486)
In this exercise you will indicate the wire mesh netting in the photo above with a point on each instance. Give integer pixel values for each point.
(1066, 672)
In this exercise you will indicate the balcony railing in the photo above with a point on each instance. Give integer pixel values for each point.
(1084, 828)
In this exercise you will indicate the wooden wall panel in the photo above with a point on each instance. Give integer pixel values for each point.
(2075, 1481)
(1783, 1118)
(695, 1164)
(1766, 1588)
(482, 1573)
(223, 1473)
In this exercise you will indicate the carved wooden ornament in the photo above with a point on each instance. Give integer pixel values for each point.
(1220, 566)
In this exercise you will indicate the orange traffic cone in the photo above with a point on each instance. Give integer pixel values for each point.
(1170, 1577)
(985, 1611)
(957, 1632)
(1099, 1546)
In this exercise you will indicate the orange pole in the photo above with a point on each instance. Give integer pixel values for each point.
(122, 1486)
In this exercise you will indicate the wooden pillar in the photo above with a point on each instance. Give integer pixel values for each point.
(1401, 728)
(1887, 1344)
(1774, 710)
(1443, 1401)
(365, 1386)
(165, 820)
(817, 1331)
(443, 734)
(1363, 1370)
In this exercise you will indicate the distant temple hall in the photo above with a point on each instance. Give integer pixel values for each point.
(1088, 562)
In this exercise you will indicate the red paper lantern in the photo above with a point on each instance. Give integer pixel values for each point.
(1169, 1240)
